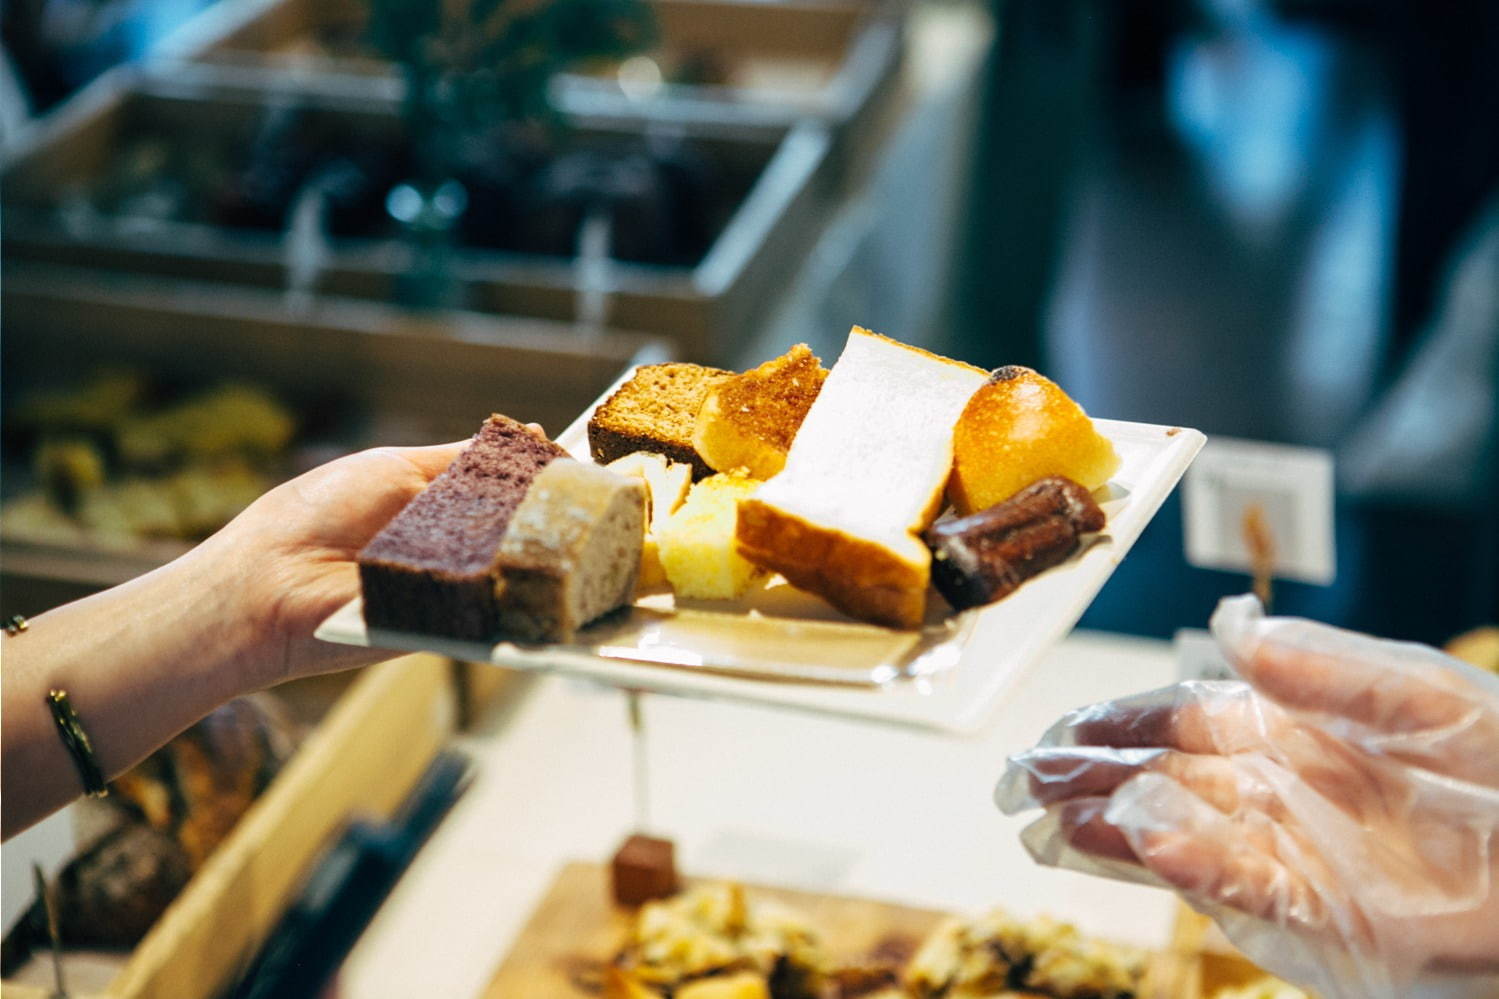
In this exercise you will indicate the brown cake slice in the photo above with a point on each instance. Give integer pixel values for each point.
(656, 410)
(436, 567)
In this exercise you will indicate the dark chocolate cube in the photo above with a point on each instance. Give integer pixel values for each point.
(644, 868)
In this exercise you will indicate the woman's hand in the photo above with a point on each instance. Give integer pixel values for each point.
(293, 551)
(143, 660)
(1337, 812)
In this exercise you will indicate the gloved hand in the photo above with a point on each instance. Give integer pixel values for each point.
(1337, 812)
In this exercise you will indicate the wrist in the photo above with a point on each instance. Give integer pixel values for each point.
(237, 612)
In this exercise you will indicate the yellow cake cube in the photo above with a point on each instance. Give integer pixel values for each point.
(697, 544)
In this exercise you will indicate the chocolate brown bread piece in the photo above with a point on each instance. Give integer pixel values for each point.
(656, 410)
(985, 556)
(436, 566)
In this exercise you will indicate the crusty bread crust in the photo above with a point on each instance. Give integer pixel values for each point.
(862, 578)
(919, 350)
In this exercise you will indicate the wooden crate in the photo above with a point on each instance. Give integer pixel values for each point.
(350, 766)
(775, 176)
(419, 377)
(783, 59)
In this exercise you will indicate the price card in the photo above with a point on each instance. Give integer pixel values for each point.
(1280, 496)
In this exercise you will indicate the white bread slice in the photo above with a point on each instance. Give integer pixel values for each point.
(865, 474)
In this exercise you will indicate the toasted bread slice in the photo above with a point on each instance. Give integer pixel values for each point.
(866, 473)
(1019, 428)
(656, 410)
(748, 421)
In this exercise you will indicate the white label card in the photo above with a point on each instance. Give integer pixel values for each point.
(1293, 488)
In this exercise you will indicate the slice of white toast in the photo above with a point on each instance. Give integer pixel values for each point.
(865, 474)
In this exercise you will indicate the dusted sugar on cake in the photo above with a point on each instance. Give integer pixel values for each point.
(572, 551)
(435, 568)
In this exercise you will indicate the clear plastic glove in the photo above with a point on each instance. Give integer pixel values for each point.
(1337, 812)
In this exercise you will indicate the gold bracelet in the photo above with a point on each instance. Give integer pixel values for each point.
(77, 742)
(15, 624)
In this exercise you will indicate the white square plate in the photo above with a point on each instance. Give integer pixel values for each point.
(783, 647)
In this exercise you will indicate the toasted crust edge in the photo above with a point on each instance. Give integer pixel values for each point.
(862, 578)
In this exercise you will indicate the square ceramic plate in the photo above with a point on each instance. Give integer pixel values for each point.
(783, 647)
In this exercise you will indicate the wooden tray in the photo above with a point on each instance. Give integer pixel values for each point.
(840, 56)
(576, 927)
(349, 766)
(776, 177)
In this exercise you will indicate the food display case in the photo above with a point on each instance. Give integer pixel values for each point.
(744, 61)
(180, 174)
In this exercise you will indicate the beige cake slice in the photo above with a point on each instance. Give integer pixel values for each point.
(749, 421)
(865, 474)
(571, 552)
(697, 543)
(666, 485)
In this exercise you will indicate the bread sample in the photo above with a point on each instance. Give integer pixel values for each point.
(748, 421)
(697, 544)
(865, 474)
(656, 410)
(1018, 428)
(436, 567)
(666, 485)
(1041, 957)
(571, 551)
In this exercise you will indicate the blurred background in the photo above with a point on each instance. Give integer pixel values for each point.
(1273, 221)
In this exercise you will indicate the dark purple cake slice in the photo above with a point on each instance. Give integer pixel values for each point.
(434, 568)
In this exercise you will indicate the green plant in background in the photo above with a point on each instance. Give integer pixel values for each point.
(471, 65)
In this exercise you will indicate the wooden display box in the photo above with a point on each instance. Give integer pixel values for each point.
(767, 61)
(772, 180)
(414, 378)
(351, 765)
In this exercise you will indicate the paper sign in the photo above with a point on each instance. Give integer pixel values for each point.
(1292, 487)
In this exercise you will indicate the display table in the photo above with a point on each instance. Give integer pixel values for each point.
(813, 803)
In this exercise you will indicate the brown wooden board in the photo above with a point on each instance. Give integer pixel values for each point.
(576, 927)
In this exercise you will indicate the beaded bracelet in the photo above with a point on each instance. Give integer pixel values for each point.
(77, 742)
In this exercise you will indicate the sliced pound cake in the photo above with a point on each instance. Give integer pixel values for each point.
(656, 410)
(475, 554)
